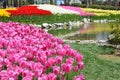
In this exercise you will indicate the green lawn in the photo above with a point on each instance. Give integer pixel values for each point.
(96, 68)
(55, 18)
(113, 58)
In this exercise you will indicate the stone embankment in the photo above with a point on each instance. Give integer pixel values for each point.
(70, 23)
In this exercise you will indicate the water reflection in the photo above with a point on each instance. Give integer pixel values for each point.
(102, 36)
(93, 31)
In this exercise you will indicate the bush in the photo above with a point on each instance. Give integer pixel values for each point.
(114, 37)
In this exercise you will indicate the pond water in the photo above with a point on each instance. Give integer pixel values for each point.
(94, 31)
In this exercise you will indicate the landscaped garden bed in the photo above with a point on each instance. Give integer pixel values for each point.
(63, 14)
(30, 53)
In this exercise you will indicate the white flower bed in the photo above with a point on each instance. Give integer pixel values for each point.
(56, 9)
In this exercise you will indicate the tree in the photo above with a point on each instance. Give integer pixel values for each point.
(114, 37)
(117, 3)
(51, 1)
(87, 3)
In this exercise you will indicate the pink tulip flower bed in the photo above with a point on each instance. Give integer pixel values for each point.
(79, 10)
(29, 53)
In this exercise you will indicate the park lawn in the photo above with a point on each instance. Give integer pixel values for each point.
(95, 67)
(57, 18)
(113, 58)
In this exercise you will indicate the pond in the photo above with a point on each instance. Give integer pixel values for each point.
(94, 31)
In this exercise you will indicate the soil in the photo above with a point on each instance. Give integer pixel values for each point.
(117, 53)
(114, 58)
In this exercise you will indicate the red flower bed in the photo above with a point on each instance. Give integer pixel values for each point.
(29, 10)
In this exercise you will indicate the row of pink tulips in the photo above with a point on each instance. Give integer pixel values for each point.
(31, 53)
(79, 10)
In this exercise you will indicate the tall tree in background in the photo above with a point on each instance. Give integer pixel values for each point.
(117, 3)
(51, 1)
(88, 3)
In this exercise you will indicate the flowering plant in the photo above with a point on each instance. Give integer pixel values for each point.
(28, 53)
(29, 10)
(3, 12)
(79, 10)
(56, 9)
(100, 12)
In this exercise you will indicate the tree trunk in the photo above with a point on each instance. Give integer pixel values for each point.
(65, 2)
(18, 3)
(87, 3)
(91, 2)
(116, 4)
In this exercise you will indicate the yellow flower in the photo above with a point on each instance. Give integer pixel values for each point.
(100, 12)
(3, 12)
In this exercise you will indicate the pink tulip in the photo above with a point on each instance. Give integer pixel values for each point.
(24, 73)
(23, 64)
(11, 79)
(81, 65)
(18, 70)
(29, 56)
(61, 52)
(79, 10)
(71, 52)
(37, 66)
(62, 78)
(41, 57)
(70, 60)
(79, 77)
(27, 78)
(62, 73)
(50, 62)
(56, 69)
(4, 78)
(38, 73)
(79, 57)
(59, 41)
(75, 68)
(3, 53)
(44, 77)
(0, 67)
(59, 59)
(52, 76)
(67, 46)
(66, 67)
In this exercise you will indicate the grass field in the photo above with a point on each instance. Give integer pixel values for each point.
(95, 67)
(57, 18)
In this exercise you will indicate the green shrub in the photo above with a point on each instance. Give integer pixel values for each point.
(106, 50)
(114, 37)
